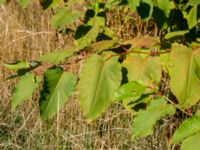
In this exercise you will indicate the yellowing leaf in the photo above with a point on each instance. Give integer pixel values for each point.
(142, 42)
(147, 70)
(104, 45)
(98, 81)
(184, 74)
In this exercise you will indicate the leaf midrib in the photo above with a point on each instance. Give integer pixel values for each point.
(98, 83)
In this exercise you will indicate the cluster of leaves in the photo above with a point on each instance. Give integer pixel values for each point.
(129, 72)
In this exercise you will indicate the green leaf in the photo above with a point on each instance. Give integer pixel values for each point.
(97, 21)
(98, 81)
(184, 74)
(175, 34)
(194, 2)
(132, 89)
(145, 119)
(188, 128)
(17, 65)
(147, 70)
(133, 4)
(58, 56)
(88, 38)
(24, 89)
(191, 17)
(24, 3)
(58, 86)
(192, 142)
(64, 17)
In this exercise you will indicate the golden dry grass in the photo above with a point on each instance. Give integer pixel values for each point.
(25, 35)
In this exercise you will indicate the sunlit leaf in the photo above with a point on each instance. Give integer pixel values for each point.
(192, 17)
(98, 81)
(184, 74)
(192, 142)
(17, 65)
(175, 34)
(188, 128)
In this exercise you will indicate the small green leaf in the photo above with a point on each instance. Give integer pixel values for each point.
(58, 56)
(133, 4)
(188, 128)
(132, 89)
(88, 38)
(145, 119)
(98, 81)
(191, 143)
(24, 3)
(97, 21)
(185, 81)
(58, 86)
(64, 17)
(17, 65)
(175, 34)
(192, 17)
(24, 89)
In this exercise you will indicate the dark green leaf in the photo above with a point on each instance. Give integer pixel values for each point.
(58, 86)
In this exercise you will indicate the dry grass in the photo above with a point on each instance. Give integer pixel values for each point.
(26, 34)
